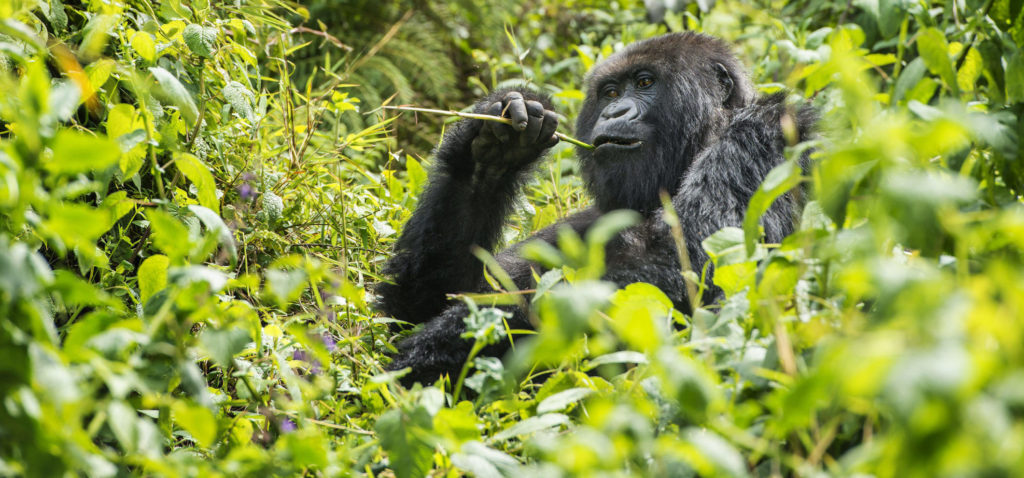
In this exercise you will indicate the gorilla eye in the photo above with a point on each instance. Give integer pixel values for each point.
(611, 92)
(644, 81)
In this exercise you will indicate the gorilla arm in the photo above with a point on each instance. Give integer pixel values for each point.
(719, 184)
(479, 168)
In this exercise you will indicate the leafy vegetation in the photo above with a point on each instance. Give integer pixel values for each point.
(196, 198)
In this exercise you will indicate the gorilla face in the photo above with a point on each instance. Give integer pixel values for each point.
(649, 111)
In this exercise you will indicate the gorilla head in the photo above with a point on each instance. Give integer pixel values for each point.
(650, 109)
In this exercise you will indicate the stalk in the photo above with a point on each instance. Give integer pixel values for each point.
(499, 119)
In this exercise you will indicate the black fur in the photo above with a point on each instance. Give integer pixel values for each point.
(696, 129)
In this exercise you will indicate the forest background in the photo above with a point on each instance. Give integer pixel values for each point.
(197, 198)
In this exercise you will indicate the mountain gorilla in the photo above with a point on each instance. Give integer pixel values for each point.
(675, 113)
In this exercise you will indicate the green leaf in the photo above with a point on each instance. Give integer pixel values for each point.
(932, 46)
(240, 99)
(718, 456)
(77, 224)
(152, 276)
(560, 400)
(222, 345)
(197, 172)
(402, 435)
(624, 356)
(214, 223)
(640, 315)
(118, 204)
(971, 70)
(169, 235)
(910, 77)
(75, 152)
(610, 224)
(780, 179)
(726, 247)
(273, 206)
(173, 91)
(532, 425)
(144, 46)
(201, 40)
(197, 421)
(1015, 78)
(484, 462)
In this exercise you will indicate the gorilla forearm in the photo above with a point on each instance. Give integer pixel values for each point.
(471, 192)
(718, 187)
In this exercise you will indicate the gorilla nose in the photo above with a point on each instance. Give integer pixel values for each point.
(619, 109)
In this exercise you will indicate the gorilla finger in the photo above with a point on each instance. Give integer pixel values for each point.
(535, 109)
(550, 124)
(517, 112)
(531, 134)
(493, 128)
(553, 140)
(493, 109)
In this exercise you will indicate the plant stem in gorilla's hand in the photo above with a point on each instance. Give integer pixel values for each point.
(499, 119)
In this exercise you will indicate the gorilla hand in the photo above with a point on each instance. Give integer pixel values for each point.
(491, 151)
(501, 148)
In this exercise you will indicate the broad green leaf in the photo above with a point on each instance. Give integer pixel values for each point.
(118, 204)
(640, 315)
(169, 235)
(77, 225)
(890, 14)
(726, 247)
(198, 421)
(144, 45)
(687, 381)
(624, 356)
(99, 71)
(175, 92)
(200, 175)
(417, 175)
(222, 345)
(910, 77)
(971, 70)
(717, 457)
(1015, 78)
(402, 434)
(152, 276)
(65, 97)
(273, 206)
(484, 462)
(240, 99)
(201, 40)
(932, 46)
(98, 32)
(560, 400)
(133, 155)
(214, 223)
(779, 180)
(532, 425)
(75, 152)
(459, 424)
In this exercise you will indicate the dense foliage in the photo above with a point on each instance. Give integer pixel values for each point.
(196, 198)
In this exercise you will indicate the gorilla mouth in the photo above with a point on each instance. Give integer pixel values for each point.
(619, 141)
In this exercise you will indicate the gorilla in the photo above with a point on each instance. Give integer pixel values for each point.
(675, 113)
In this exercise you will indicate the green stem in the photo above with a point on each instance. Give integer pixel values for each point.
(498, 119)
(477, 347)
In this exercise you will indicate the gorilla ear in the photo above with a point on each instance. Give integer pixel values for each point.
(728, 87)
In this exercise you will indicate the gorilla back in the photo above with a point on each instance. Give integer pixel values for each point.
(675, 113)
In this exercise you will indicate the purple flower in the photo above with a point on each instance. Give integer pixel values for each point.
(314, 364)
(245, 190)
(287, 425)
(329, 342)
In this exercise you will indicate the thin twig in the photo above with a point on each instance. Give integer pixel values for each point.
(498, 119)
